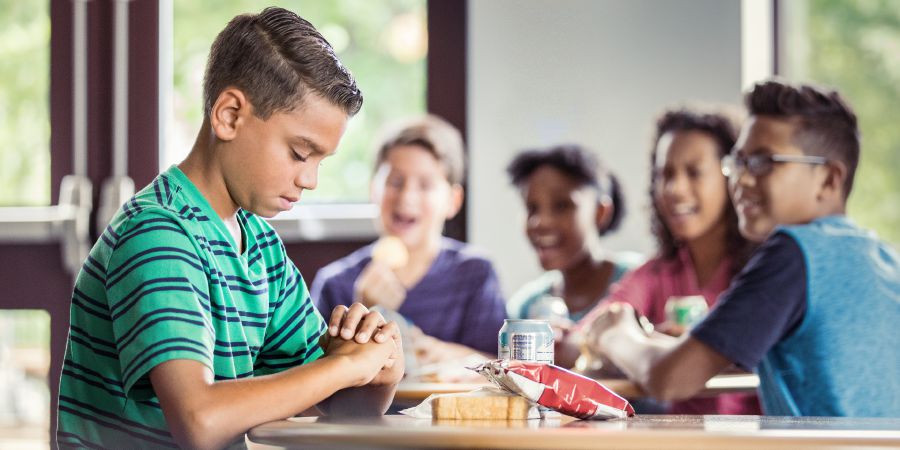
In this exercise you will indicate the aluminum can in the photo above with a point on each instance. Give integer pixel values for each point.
(686, 311)
(526, 340)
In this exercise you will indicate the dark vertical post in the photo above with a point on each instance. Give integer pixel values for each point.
(446, 84)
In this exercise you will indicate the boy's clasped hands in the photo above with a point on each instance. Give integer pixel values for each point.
(371, 344)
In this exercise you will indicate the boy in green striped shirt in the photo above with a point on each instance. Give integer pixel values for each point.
(189, 324)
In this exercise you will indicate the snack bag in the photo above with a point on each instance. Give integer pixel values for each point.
(556, 388)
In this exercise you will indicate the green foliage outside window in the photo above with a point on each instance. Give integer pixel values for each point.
(24, 103)
(854, 46)
(382, 42)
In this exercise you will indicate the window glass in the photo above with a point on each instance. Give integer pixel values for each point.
(24, 367)
(854, 46)
(24, 103)
(382, 42)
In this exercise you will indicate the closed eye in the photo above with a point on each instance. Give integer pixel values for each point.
(297, 156)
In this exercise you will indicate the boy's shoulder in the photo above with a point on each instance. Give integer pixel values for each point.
(159, 201)
(826, 226)
(836, 241)
(834, 235)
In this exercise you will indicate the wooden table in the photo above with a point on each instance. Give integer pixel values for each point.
(414, 392)
(642, 432)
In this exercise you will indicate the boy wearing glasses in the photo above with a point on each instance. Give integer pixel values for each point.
(819, 297)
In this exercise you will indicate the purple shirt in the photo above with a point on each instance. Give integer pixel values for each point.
(458, 299)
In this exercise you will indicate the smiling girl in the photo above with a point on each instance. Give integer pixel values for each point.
(700, 248)
(571, 200)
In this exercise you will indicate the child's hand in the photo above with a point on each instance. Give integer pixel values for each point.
(368, 360)
(671, 328)
(357, 323)
(378, 285)
(394, 367)
(614, 317)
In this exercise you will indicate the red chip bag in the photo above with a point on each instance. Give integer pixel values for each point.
(556, 388)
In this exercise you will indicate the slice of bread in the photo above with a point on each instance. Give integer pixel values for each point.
(480, 407)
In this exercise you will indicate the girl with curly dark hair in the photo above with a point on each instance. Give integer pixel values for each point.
(571, 200)
(700, 246)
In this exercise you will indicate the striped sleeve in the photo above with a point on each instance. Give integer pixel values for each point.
(157, 286)
(292, 337)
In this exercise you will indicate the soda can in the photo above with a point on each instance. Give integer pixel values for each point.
(686, 311)
(526, 340)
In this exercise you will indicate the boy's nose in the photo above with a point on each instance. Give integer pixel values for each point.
(409, 193)
(307, 177)
(742, 178)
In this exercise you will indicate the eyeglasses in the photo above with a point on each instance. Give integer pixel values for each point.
(761, 164)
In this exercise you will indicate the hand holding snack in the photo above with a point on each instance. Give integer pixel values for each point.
(615, 315)
(593, 360)
(378, 284)
(390, 251)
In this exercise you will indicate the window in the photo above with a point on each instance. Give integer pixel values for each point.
(24, 366)
(854, 46)
(384, 44)
(24, 103)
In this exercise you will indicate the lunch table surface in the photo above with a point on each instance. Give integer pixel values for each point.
(640, 432)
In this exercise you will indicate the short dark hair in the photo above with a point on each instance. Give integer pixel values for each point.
(276, 58)
(825, 124)
(720, 124)
(577, 163)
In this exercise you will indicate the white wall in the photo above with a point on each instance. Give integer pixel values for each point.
(594, 72)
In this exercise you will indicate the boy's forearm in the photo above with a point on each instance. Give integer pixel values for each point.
(667, 368)
(213, 414)
(634, 353)
(365, 400)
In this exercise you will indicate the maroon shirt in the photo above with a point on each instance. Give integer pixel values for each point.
(648, 287)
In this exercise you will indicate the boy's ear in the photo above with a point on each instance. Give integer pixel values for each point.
(456, 199)
(227, 113)
(604, 213)
(833, 184)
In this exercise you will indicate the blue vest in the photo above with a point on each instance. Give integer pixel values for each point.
(844, 358)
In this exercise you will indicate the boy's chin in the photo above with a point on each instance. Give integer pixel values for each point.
(755, 233)
(264, 213)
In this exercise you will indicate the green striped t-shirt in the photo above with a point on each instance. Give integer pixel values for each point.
(163, 282)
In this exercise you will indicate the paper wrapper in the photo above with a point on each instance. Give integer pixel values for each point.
(557, 388)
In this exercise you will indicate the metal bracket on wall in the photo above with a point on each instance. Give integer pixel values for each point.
(67, 222)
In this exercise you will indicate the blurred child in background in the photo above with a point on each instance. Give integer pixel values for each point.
(700, 248)
(446, 289)
(571, 200)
